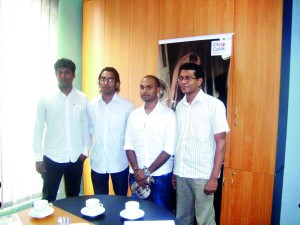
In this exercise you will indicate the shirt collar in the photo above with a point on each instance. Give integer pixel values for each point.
(58, 91)
(199, 98)
(158, 107)
(114, 98)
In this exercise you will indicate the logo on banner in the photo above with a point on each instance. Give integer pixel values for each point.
(222, 48)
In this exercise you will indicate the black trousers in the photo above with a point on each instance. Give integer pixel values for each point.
(72, 173)
(119, 180)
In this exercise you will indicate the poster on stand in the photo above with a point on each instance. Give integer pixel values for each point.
(213, 52)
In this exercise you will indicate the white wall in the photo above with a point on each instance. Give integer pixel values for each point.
(290, 208)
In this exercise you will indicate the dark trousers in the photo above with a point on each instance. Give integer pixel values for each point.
(72, 173)
(162, 192)
(119, 180)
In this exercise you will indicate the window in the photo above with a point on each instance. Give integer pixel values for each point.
(28, 51)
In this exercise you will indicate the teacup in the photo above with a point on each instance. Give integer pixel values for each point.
(93, 204)
(41, 205)
(132, 206)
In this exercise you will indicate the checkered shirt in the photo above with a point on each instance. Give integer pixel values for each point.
(197, 124)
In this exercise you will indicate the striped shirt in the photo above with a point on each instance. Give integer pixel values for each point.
(197, 124)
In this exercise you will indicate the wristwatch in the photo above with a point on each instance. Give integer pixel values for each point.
(146, 171)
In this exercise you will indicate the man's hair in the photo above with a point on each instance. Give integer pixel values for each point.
(65, 63)
(116, 75)
(157, 82)
(199, 73)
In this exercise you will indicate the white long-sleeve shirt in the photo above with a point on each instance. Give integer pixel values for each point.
(61, 127)
(107, 124)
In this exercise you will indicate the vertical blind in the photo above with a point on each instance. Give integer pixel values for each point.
(28, 51)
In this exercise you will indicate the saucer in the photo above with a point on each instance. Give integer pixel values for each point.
(132, 215)
(46, 212)
(85, 211)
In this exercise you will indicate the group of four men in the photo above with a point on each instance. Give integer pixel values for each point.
(182, 150)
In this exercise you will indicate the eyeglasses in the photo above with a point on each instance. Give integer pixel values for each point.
(109, 80)
(187, 78)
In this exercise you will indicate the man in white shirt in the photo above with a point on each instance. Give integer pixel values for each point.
(200, 150)
(62, 117)
(150, 144)
(108, 114)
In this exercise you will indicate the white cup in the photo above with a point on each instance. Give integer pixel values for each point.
(41, 205)
(132, 206)
(93, 204)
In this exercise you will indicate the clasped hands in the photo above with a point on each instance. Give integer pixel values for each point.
(140, 178)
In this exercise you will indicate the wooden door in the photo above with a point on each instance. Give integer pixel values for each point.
(247, 198)
(255, 86)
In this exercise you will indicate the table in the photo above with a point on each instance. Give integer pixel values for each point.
(49, 220)
(113, 205)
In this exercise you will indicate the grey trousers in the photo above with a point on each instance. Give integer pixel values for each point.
(191, 202)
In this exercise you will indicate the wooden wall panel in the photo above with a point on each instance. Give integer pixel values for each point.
(144, 28)
(256, 81)
(213, 17)
(176, 19)
(92, 62)
(116, 39)
(92, 46)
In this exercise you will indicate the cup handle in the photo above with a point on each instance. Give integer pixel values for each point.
(50, 205)
(100, 204)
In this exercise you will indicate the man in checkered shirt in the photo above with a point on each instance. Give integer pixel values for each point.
(200, 150)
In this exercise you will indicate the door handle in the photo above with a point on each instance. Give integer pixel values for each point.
(232, 180)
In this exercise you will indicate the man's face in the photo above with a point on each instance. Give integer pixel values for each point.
(64, 77)
(149, 89)
(107, 83)
(188, 82)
